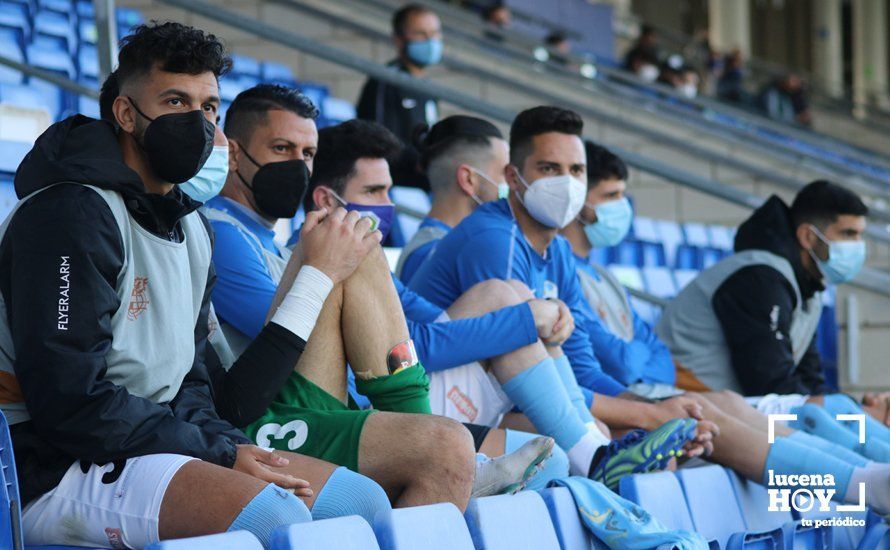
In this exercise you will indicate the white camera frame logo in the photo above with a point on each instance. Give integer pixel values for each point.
(860, 418)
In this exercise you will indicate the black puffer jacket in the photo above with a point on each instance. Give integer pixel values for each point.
(755, 307)
(77, 415)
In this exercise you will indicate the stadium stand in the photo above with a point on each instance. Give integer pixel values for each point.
(660, 257)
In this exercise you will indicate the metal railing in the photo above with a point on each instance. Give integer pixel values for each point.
(50, 77)
(870, 279)
(602, 115)
(474, 32)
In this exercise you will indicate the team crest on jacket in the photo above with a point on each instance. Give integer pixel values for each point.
(138, 298)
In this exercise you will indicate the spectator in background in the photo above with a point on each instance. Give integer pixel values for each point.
(786, 100)
(731, 85)
(498, 16)
(558, 47)
(642, 58)
(417, 35)
(682, 78)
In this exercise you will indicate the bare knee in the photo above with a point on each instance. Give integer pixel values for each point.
(494, 293)
(449, 448)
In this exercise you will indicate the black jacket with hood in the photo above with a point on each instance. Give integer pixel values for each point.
(77, 415)
(760, 345)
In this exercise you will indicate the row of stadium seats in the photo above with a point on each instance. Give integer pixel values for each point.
(727, 510)
(696, 499)
(59, 36)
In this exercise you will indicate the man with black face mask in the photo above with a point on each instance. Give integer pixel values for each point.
(105, 278)
(273, 139)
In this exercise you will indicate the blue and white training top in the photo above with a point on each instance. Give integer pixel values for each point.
(489, 244)
(626, 345)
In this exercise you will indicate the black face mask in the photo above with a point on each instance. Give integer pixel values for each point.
(177, 144)
(278, 187)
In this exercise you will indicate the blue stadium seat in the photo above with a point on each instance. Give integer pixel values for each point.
(84, 8)
(696, 234)
(51, 58)
(671, 236)
(86, 31)
(415, 199)
(316, 92)
(652, 254)
(646, 229)
(627, 252)
(716, 513)
(346, 533)
(661, 495)
(22, 95)
(684, 277)
(11, 155)
(688, 257)
(511, 522)
(434, 527)
(659, 281)
(710, 256)
(336, 110)
(14, 19)
(279, 73)
(56, 99)
(88, 106)
(243, 65)
(60, 6)
(230, 86)
(88, 62)
(236, 540)
(10, 504)
(570, 529)
(127, 18)
(51, 27)
(722, 237)
(11, 49)
(753, 500)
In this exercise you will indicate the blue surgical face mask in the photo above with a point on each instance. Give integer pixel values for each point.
(424, 52)
(613, 221)
(209, 181)
(382, 215)
(503, 187)
(845, 259)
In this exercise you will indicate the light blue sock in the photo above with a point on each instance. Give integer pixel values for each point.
(816, 420)
(564, 368)
(838, 403)
(826, 446)
(556, 467)
(269, 509)
(350, 494)
(787, 456)
(542, 397)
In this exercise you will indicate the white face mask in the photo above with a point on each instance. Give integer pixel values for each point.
(688, 91)
(648, 72)
(554, 201)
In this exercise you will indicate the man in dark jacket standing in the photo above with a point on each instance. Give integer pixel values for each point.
(417, 35)
(748, 323)
(105, 281)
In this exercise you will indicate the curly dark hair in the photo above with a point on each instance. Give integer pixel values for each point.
(250, 107)
(172, 47)
(340, 146)
(540, 120)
